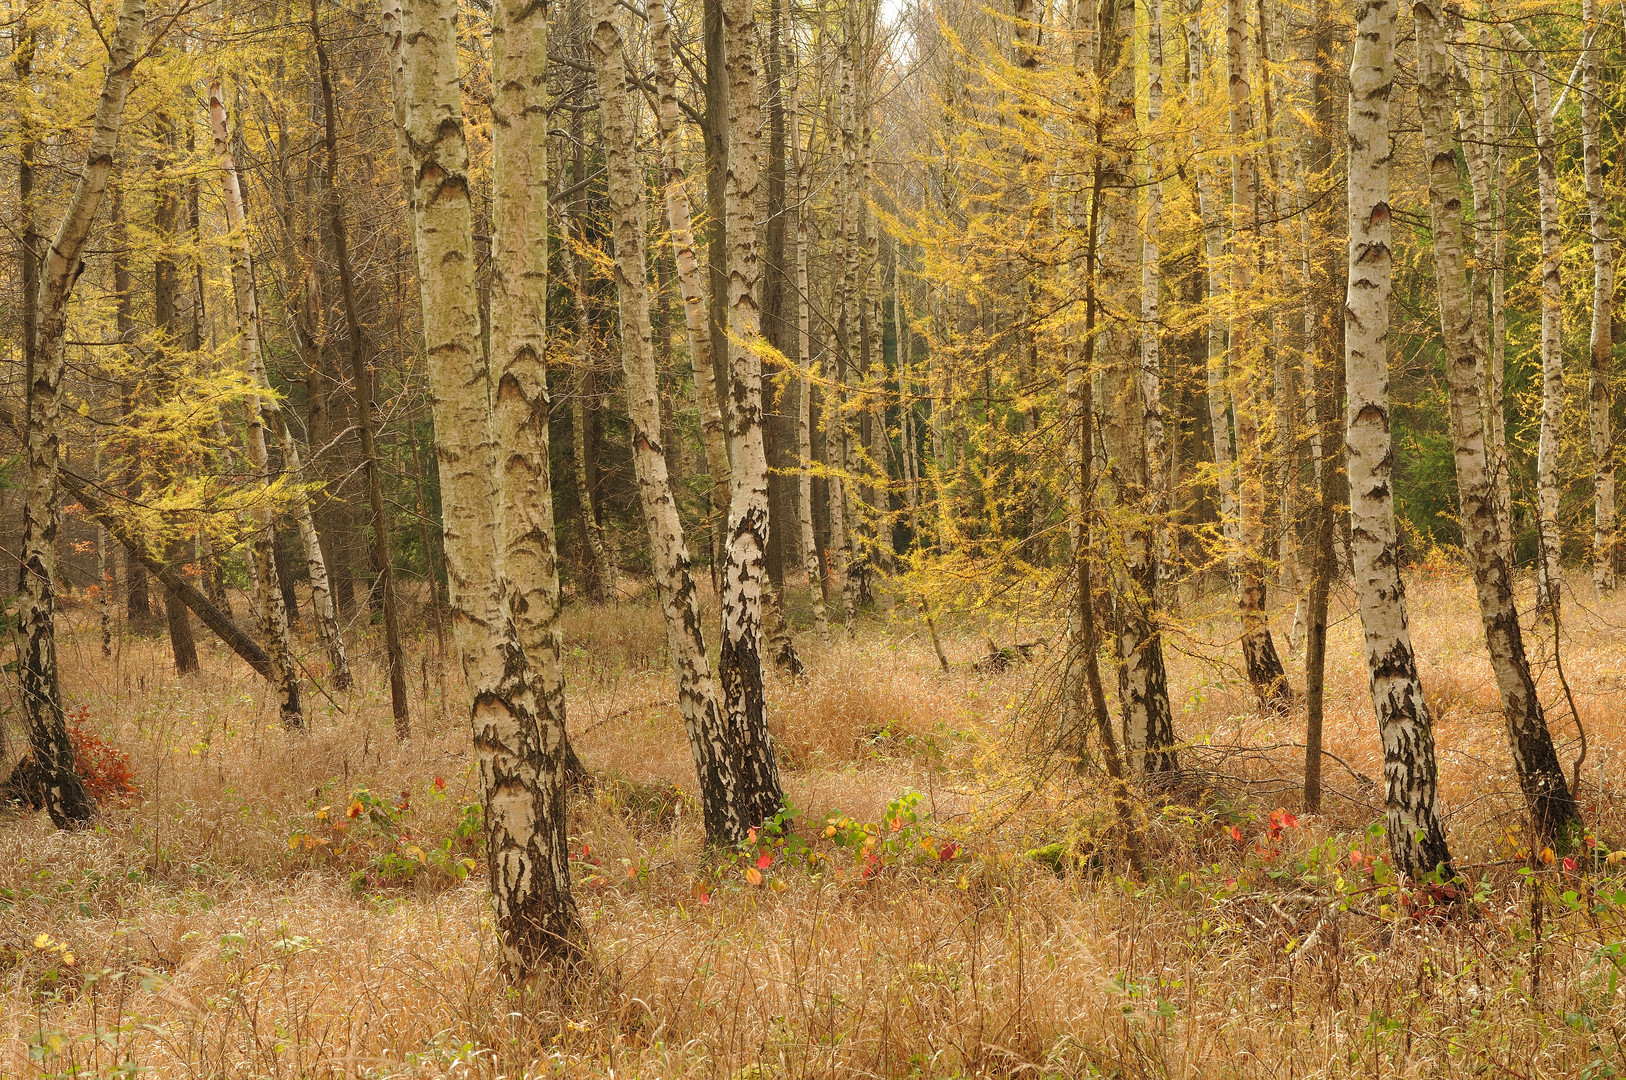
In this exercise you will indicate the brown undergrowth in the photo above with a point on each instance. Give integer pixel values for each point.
(285, 906)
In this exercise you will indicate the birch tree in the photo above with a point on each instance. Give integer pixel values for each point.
(1411, 786)
(1535, 760)
(1600, 346)
(521, 753)
(1148, 735)
(740, 667)
(727, 798)
(69, 806)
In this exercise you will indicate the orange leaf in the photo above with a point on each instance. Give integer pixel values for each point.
(753, 875)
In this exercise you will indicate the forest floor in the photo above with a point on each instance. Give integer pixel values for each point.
(280, 905)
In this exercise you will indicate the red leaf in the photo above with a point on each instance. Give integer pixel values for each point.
(440, 783)
(948, 851)
(1569, 865)
(764, 860)
(1236, 834)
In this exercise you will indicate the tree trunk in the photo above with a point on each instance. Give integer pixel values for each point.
(520, 410)
(1601, 343)
(65, 798)
(690, 282)
(270, 602)
(361, 374)
(166, 300)
(521, 756)
(1550, 541)
(1213, 228)
(1151, 361)
(739, 670)
(1552, 806)
(1148, 730)
(804, 354)
(1265, 671)
(1324, 371)
(725, 803)
(1416, 834)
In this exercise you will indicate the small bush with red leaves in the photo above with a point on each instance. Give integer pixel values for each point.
(103, 768)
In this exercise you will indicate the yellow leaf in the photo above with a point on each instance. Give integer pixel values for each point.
(417, 853)
(753, 875)
(1547, 856)
(43, 941)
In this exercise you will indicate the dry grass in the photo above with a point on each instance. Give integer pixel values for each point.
(205, 946)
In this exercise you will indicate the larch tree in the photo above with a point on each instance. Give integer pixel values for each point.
(269, 602)
(1264, 666)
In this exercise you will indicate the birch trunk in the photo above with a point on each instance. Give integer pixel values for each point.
(600, 584)
(526, 538)
(1492, 382)
(1264, 666)
(1416, 835)
(1549, 579)
(690, 283)
(269, 602)
(726, 802)
(521, 757)
(804, 339)
(1148, 731)
(69, 806)
(739, 669)
(1601, 343)
(1552, 806)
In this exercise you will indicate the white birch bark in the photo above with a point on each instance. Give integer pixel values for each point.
(269, 604)
(1416, 835)
(804, 338)
(526, 537)
(1549, 578)
(739, 669)
(1151, 361)
(521, 757)
(1601, 342)
(711, 740)
(38, 678)
(1148, 733)
(1535, 760)
(691, 281)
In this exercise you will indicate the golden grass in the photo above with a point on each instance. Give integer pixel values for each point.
(204, 946)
